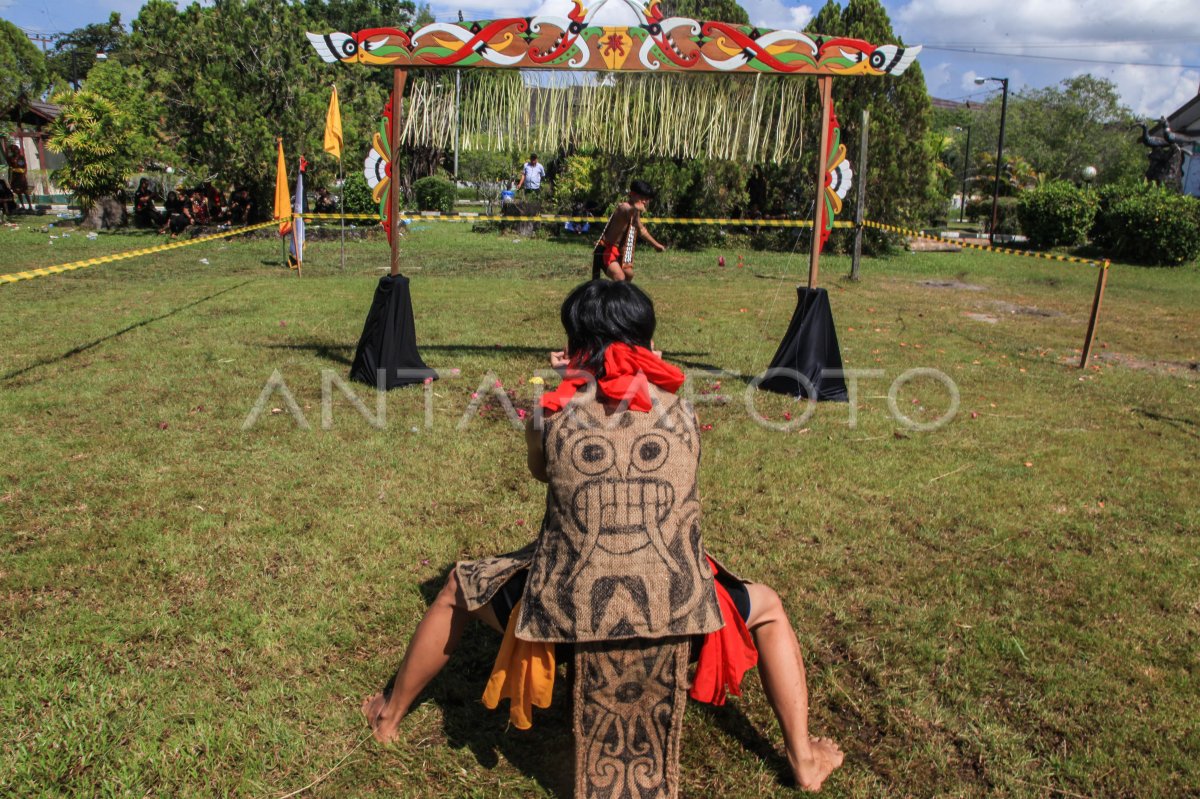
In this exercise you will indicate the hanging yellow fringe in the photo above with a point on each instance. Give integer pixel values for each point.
(752, 118)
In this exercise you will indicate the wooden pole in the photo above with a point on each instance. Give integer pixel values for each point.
(825, 89)
(342, 208)
(399, 76)
(1101, 282)
(860, 211)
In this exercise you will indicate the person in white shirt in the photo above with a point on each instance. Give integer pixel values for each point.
(531, 175)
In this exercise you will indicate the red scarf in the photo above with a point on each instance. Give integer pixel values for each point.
(628, 373)
(725, 655)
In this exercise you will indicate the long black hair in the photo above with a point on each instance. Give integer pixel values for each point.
(600, 312)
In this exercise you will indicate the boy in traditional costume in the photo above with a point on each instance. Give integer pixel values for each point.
(613, 255)
(618, 578)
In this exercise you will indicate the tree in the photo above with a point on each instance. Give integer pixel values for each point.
(708, 10)
(901, 176)
(94, 135)
(127, 88)
(1079, 123)
(234, 75)
(76, 52)
(22, 68)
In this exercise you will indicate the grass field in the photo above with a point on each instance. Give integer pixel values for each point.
(1005, 606)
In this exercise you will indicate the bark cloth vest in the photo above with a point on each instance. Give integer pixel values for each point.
(620, 555)
(619, 570)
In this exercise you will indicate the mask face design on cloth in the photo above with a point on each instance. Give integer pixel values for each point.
(621, 555)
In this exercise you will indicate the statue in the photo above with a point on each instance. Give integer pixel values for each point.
(1166, 156)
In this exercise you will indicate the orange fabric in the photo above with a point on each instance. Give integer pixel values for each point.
(628, 371)
(726, 654)
(611, 253)
(523, 674)
(333, 127)
(283, 198)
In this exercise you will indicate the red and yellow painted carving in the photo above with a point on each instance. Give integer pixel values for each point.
(614, 35)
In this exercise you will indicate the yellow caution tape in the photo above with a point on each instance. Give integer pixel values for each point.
(121, 256)
(30, 274)
(917, 234)
(429, 216)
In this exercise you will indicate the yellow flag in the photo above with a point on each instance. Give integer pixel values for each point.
(283, 198)
(333, 127)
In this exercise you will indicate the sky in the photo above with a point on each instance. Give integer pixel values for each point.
(1149, 48)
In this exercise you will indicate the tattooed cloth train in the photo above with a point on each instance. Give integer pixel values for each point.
(614, 35)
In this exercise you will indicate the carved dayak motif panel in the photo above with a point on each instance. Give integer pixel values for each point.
(611, 36)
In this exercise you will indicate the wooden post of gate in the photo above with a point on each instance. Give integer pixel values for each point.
(860, 211)
(1101, 282)
(825, 89)
(399, 76)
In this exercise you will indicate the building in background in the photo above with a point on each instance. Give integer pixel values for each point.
(1185, 124)
(30, 121)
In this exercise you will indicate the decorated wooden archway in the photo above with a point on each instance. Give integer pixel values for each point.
(621, 36)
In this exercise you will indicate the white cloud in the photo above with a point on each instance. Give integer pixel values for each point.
(1155, 92)
(937, 77)
(1128, 33)
(777, 14)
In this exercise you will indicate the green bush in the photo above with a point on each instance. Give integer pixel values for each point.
(357, 195)
(1148, 224)
(980, 210)
(435, 194)
(578, 188)
(1056, 214)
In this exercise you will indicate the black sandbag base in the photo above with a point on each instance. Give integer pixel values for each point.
(389, 340)
(809, 349)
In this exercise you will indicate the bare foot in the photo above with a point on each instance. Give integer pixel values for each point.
(823, 758)
(383, 728)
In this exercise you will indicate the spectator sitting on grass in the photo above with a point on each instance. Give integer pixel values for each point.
(178, 214)
(144, 212)
(241, 205)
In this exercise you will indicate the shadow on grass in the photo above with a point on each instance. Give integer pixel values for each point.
(1186, 426)
(327, 351)
(341, 353)
(733, 722)
(546, 753)
(117, 334)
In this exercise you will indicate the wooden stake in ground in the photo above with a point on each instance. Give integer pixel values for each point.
(342, 208)
(1101, 282)
(399, 76)
(825, 89)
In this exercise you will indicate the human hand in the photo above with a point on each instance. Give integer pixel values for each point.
(559, 359)
(660, 247)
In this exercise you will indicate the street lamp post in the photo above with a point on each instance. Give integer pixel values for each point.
(962, 206)
(999, 154)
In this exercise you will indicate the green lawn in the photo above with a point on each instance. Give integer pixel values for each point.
(1005, 606)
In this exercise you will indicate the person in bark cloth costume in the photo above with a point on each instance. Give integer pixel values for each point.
(618, 580)
(613, 255)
